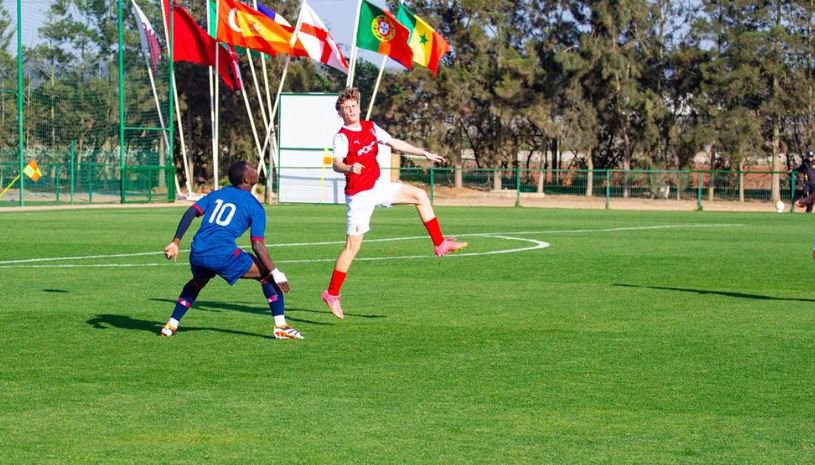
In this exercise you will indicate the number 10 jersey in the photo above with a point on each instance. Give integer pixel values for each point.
(227, 213)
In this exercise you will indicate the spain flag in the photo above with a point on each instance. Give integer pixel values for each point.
(32, 171)
(242, 26)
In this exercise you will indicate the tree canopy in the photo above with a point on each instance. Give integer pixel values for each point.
(621, 84)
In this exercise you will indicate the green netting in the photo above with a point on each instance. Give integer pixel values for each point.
(71, 103)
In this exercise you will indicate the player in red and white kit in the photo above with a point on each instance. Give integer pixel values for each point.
(356, 146)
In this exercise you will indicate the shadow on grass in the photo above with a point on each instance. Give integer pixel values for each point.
(107, 321)
(260, 309)
(56, 291)
(739, 295)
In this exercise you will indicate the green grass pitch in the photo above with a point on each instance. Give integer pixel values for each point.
(633, 338)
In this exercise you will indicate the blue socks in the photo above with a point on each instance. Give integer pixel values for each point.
(190, 292)
(185, 300)
(274, 297)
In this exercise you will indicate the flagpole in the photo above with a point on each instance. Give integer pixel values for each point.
(217, 118)
(184, 158)
(160, 115)
(292, 42)
(277, 98)
(252, 123)
(269, 123)
(212, 111)
(261, 152)
(268, 169)
(376, 86)
(378, 80)
(353, 66)
(257, 87)
(9, 186)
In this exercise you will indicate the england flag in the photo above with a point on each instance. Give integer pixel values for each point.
(317, 41)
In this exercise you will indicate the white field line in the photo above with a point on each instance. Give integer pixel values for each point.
(536, 245)
(502, 235)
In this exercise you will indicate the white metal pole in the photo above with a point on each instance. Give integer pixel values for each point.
(212, 111)
(352, 68)
(257, 87)
(293, 41)
(252, 123)
(376, 86)
(184, 158)
(266, 82)
(215, 179)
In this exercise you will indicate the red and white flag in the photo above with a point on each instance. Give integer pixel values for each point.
(236, 69)
(317, 41)
(149, 40)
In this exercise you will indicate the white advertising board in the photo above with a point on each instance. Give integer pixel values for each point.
(308, 123)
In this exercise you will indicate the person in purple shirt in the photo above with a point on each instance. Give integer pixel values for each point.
(227, 213)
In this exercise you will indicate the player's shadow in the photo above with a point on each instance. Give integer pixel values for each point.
(739, 295)
(106, 321)
(56, 291)
(211, 306)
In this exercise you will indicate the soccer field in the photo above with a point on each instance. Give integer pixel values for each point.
(558, 336)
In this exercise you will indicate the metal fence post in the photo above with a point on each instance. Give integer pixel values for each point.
(432, 185)
(699, 190)
(73, 169)
(792, 191)
(171, 193)
(517, 186)
(608, 187)
(149, 185)
(58, 174)
(20, 97)
(91, 174)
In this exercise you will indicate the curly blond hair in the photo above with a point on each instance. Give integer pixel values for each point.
(349, 93)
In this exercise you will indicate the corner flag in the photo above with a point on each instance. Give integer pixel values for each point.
(32, 171)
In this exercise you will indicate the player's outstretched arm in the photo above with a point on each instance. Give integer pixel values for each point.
(404, 147)
(259, 247)
(171, 251)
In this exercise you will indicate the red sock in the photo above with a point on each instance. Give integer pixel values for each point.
(337, 278)
(434, 230)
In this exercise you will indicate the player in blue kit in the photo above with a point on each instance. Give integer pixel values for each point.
(227, 213)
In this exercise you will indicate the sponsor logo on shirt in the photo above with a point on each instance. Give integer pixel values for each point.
(367, 148)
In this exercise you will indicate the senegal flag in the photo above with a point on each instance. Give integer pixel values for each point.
(428, 45)
(380, 32)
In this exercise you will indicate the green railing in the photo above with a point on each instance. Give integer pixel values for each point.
(72, 182)
(606, 186)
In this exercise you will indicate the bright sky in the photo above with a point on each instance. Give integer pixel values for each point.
(338, 16)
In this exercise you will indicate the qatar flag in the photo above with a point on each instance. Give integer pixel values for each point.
(149, 41)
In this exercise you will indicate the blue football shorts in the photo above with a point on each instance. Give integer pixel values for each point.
(230, 266)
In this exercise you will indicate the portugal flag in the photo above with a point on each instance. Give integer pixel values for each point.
(428, 45)
(379, 31)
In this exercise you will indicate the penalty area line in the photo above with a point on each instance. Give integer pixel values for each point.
(505, 235)
(536, 244)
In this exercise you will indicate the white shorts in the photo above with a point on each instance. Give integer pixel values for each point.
(360, 206)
